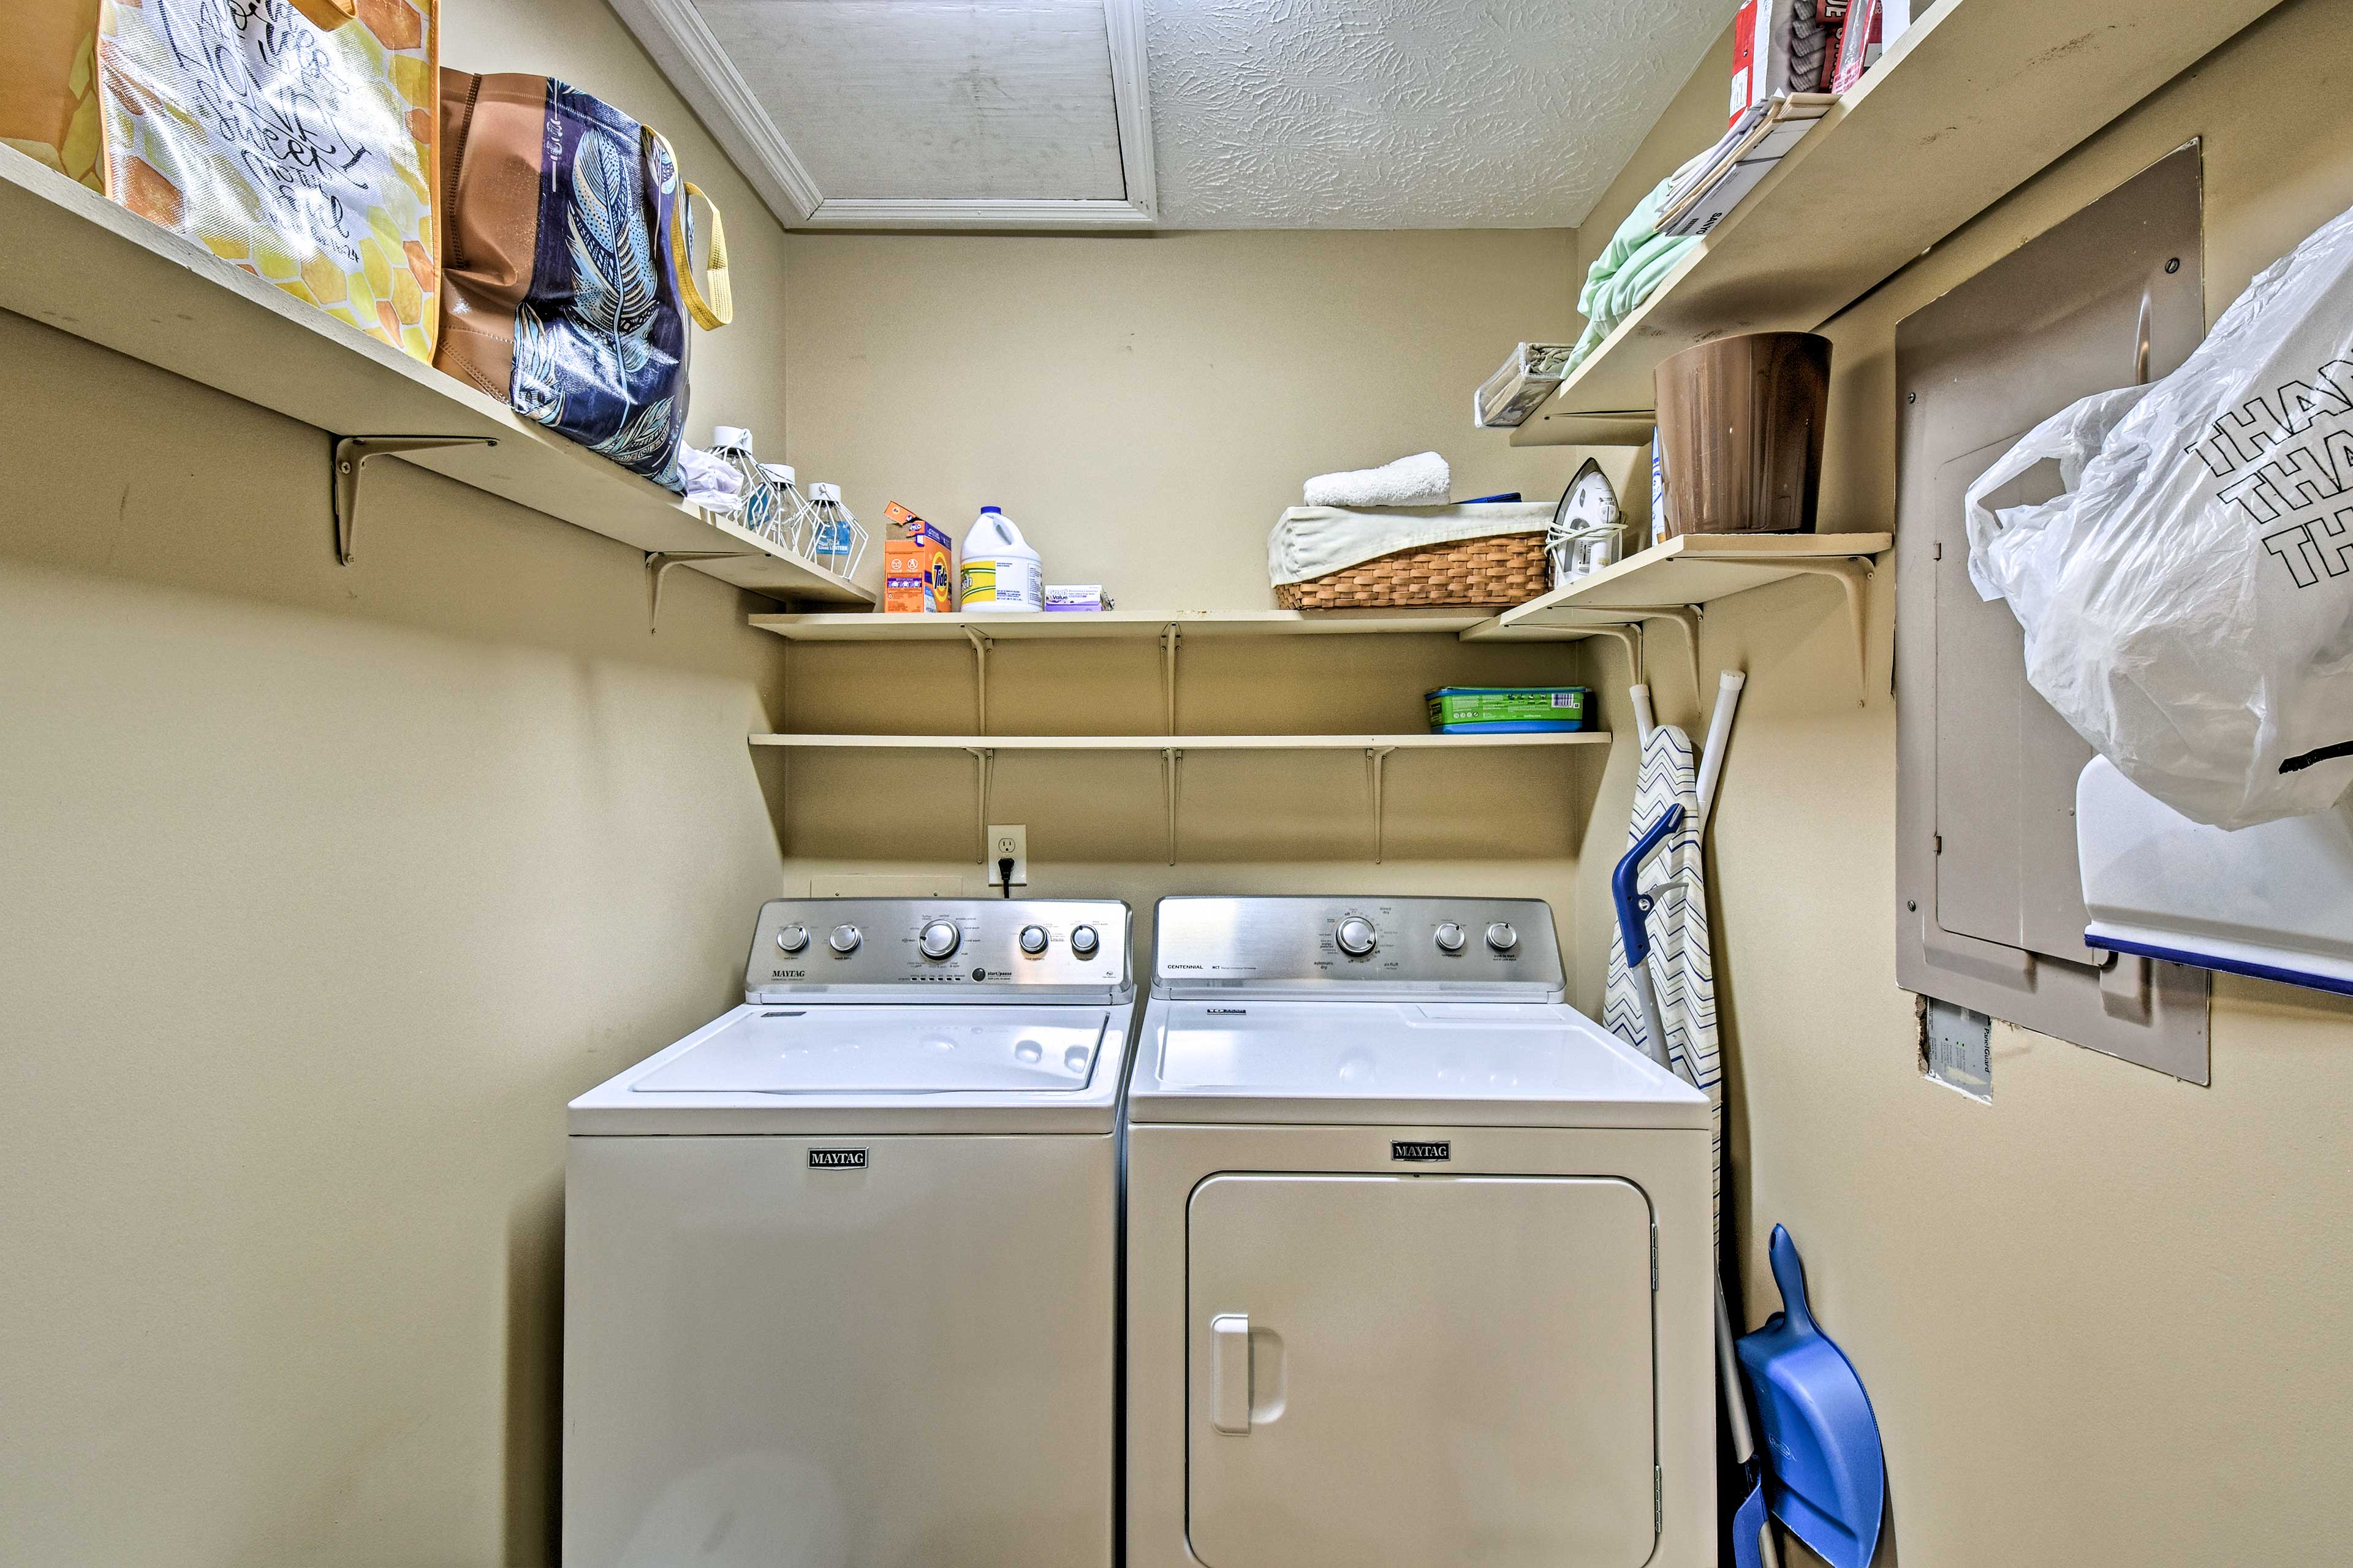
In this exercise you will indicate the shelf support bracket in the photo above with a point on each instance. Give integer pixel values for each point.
(1851, 574)
(1630, 637)
(1170, 639)
(984, 759)
(1375, 757)
(658, 565)
(351, 453)
(1688, 617)
(1172, 760)
(980, 646)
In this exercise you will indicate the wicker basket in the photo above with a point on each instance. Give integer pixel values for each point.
(1500, 569)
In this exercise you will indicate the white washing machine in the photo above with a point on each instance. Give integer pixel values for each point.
(1419, 1258)
(840, 1268)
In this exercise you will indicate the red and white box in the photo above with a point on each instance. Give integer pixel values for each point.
(1778, 46)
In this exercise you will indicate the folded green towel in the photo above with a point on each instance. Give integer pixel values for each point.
(1629, 269)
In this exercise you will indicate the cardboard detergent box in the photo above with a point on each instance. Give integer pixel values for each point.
(918, 565)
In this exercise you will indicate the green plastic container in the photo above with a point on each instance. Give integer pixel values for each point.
(1507, 709)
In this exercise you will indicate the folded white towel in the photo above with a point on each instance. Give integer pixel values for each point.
(711, 482)
(1419, 480)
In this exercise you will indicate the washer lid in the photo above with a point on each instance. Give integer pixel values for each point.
(1494, 1063)
(851, 1068)
(889, 1051)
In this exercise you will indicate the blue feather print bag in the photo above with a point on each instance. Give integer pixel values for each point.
(568, 265)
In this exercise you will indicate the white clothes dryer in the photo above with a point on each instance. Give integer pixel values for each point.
(840, 1266)
(1419, 1258)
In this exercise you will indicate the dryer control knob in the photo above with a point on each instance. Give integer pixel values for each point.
(1033, 939)
(1502, 937)
(844, 939)
(939, 938)
(1450, 936)
(1356, 936)
(793, 938)
(1083, 940)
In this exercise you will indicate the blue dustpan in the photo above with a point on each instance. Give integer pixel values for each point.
(1827, 1476)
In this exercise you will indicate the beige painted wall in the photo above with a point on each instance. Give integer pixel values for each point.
(2103, 1321)
(411, 852)
(326, 888)
(1145, 407)
(414, 850)
(1689, 125)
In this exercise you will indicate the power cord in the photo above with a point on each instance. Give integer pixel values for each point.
(1004, 873)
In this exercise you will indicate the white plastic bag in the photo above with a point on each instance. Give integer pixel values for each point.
(2187, 602)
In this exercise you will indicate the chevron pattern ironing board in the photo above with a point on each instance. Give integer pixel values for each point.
(1680, 963)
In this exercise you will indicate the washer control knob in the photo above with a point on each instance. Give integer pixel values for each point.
(939, 938)
(1356, 936)
(1450, 936)
(1033, 939)
(1502, 937)
(844, 939)
(793, 938)
(1083, 940)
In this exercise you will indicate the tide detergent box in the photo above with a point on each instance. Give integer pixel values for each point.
(918, 565)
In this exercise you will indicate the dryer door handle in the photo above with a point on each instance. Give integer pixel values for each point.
(1229, 1373)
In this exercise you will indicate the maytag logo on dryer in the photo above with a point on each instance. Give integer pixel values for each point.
(788, 974)
(836, 1159)
(1420, 1151)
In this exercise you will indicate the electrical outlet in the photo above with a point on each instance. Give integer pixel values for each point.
(1013, 841)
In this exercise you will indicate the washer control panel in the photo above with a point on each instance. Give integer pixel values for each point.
(969, 948)
(1385, 947)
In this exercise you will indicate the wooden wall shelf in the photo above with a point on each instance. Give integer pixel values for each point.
(1179, 742)
(76, 261)
(1120, 624)
(1171, 749)
(1975, 98)
(1672, 581)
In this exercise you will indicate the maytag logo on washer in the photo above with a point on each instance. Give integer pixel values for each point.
(1418, 1150)
(836, 1159)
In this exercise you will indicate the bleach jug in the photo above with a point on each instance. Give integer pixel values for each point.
(1000, 571)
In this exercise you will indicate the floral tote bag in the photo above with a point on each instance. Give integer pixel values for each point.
(569, 276)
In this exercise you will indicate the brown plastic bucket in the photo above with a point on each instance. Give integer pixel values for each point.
(1740, 432)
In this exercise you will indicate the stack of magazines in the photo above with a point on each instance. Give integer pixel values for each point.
(1714, 185)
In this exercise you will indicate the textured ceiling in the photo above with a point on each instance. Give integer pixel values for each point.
(1265, 113)
(1408, 113)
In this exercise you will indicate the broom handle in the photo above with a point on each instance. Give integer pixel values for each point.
(1728, 1370)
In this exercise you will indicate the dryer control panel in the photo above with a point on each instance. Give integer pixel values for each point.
(958, 950)
(1468, 948)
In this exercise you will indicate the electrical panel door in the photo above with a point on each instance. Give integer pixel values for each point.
(1991, 905)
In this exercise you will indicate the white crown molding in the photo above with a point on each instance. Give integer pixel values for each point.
(871, 212)
(1130, 93)
(681, 44)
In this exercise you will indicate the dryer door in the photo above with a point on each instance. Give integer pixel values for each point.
(1407, 1370)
